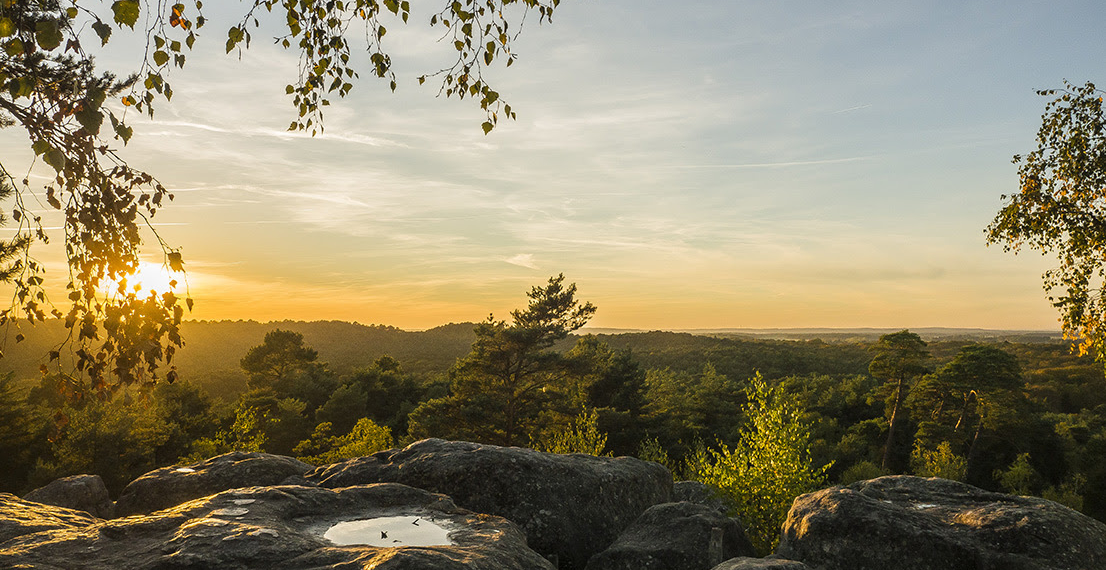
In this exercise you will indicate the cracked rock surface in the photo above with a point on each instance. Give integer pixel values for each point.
(276, 527)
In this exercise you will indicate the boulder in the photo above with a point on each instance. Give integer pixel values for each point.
(767, 563)
(911, 523)
(19, 517)
(80, 492)
(696, 492)
(171, 486)
(673, 536)
(386, 526)
(570, 506)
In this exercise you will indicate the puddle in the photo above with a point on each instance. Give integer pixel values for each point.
(924, 506)
(185, 470)
(406, 530)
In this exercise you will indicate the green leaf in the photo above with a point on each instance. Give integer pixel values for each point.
(41, 147)
(124, 132)
(487, 126)
(56, 159)
(90, 118)
(14, 47)
(126, 12)
(103, 30)
(7, 27)
(161, 57)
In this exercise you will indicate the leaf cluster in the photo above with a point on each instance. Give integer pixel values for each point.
(1060, 208)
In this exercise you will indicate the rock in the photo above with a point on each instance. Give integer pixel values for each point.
(767, 563)
(19, 517)
(569, 506)
(673, 536)
(80, 492)
(279, 528)
(696, 492)
(911, 523)
(171, 486)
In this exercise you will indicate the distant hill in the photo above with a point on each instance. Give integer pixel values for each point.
(214, 348)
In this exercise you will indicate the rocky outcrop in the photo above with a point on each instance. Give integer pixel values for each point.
(673, 536)
(171, 486)
(911, 523)
(570, 506)
(80, 492)
(19, 517)
(279, 528)
(766, 563)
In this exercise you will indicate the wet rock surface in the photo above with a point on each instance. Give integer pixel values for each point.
(569, 506)
(171, 486)
(912, 523)
(673, 536)
(278, 527)
(81, 492)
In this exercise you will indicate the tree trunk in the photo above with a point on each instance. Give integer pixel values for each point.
(973, 455)
(893, 427)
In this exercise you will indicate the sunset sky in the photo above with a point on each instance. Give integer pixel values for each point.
(716, 164)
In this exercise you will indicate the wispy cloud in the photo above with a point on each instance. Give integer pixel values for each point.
(523, 260)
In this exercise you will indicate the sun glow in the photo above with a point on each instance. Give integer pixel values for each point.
(148, 278)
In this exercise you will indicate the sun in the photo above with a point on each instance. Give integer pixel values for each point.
(148, 278)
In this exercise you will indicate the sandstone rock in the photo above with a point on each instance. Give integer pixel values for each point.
(766, 563)
(81, 492)
(278, 528)
(696, 492)
(19, 517)
(171, 486)
(570, 506)
(673, 536)
(911, 523)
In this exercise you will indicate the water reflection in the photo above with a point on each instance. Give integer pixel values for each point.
(406, 530)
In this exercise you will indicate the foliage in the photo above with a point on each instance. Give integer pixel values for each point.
(682, 408)
(975, 394)
(899, 358)
(366, 438)
(650, 449)
(114, 439)
(581, 435)
(75, 116)
(861, 471)
(275, 361)
(246, 434)
(1020, 478)
(940, 462)
(763, 474)
(503, 390)
(1060, 208)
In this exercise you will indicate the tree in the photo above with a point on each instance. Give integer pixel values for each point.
(900, 357)
(277, 359)
(1061, 209)
(501, 389)
(49, 86)
(769, 467)
(978, 390)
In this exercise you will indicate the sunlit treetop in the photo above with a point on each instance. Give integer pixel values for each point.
(76, 121)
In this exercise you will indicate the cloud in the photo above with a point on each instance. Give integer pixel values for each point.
(523, 260)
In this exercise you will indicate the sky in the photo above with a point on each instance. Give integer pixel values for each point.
(715, 164)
